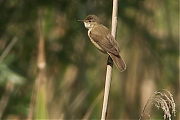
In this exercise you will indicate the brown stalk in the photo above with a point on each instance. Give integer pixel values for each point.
(109, 63)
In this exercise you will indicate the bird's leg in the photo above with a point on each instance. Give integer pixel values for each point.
(110, 61)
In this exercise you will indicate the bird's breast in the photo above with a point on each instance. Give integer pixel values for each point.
(97, 46)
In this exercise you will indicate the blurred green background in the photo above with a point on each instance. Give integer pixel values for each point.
(51, 70)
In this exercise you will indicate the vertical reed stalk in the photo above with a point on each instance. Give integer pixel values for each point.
(109, 63)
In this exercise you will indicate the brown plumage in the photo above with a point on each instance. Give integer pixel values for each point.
(101, 37)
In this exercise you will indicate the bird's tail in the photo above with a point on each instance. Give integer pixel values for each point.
(118, 62)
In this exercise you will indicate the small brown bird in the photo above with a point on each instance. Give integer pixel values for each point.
(101, 37)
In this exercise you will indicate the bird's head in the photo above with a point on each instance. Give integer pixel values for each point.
(90, 21)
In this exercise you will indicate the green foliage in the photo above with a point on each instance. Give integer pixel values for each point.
(10, 75)
(41, 107)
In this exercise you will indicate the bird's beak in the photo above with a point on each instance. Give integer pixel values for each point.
(81, 20)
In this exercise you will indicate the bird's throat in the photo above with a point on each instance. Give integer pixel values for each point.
(87, 25)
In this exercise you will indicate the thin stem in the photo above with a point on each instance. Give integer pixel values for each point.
(109, 63)
(6, 51)
(107, 88)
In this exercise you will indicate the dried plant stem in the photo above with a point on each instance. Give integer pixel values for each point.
(5, 97)
(39, 93)
(6, 51)
(106, 92)
(109, 63)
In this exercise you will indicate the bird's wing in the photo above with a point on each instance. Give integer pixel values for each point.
(107, 43)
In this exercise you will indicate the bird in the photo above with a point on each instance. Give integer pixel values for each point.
(103, 40)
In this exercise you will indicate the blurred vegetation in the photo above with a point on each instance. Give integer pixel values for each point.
(53, 71)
